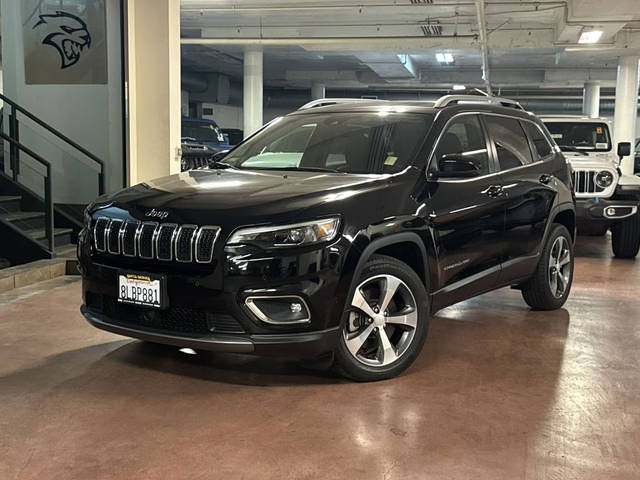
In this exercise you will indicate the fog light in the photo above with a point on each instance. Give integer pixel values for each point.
(610, 212)
(278, 310)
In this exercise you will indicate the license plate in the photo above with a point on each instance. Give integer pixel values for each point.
(141, 289)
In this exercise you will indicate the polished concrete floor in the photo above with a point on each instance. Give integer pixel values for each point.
(499, 392)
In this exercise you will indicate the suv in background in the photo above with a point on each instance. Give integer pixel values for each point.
(605, 197)
(337, 231)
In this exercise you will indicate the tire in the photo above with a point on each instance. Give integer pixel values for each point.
(383, 344)
(538, 291)
(625, 237)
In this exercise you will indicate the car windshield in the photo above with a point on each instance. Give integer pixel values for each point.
(580, 135)
(340, 142)
(201, 131)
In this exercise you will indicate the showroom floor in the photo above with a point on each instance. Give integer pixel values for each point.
(499, 392)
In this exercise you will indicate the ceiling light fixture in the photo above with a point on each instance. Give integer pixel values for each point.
(590, 36)
(444, 57)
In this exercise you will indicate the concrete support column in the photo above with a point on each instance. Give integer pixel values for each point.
(317, 91)
(626, 109)
(252, 89)
(154, 90)
(591, 99)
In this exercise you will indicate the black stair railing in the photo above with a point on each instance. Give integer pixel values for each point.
(48, 195)
(14, 134)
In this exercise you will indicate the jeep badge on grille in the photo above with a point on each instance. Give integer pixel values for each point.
(161, 214)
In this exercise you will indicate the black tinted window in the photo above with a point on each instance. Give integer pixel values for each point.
(384, 142)
(464, 137)
(540, 143)
(510, 140)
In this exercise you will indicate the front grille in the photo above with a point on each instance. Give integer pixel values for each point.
(584, 182)
(174, 319)
(152, 240)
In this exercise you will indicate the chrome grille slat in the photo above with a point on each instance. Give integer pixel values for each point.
(146, 240)
(165, 236)
(205, 241)
(113, 236)
(100, 234)
(183, 244)
(128, 238)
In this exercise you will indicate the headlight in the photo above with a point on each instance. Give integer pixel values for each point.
(300, 234)
(604, 179)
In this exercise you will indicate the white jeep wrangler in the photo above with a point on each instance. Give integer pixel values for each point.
(605, 198)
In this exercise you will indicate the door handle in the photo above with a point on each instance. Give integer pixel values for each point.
(494, 191)
(545, 178)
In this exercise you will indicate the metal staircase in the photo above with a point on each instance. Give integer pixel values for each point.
(32, 225)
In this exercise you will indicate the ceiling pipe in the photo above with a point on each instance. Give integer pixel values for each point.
(413, 40)
(411, 6)
(482, 28)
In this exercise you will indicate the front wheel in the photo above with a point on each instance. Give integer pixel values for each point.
(625, 237)
(550, 285)
(385, 324)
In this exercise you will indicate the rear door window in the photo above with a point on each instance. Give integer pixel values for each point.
(541, 146)
(510, 140)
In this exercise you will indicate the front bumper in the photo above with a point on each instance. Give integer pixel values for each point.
(605, 209)
(303, 345)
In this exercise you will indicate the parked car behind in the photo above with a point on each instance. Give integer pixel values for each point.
(606, 198)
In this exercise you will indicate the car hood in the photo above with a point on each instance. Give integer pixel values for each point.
(595, 159)
(198, 196)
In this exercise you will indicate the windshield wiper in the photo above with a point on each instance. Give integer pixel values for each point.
(302, 169)
(566, 148)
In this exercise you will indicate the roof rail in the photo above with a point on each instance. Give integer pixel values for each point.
(321, 102)
(456, 99)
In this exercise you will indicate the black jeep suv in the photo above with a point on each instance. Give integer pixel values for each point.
(337, 231)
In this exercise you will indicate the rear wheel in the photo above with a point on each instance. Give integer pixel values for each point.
(625, 237)
(550, 285)
(385, 323)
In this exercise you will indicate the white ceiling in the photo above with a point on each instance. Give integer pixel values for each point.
(346, 44)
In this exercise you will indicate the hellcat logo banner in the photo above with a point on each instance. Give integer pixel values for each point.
(66, 33)
(64, 41)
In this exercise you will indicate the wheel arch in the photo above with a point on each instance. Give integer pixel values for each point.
(408, 247)
(565, 215)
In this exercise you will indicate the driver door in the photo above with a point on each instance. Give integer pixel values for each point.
(467, 215)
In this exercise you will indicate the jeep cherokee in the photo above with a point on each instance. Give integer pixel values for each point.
(337, 231)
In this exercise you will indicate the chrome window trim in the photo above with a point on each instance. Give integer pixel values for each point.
(480, 177)
(171, 241)
(153, 239)
(249, 302)
(123, 230)
(213, 244)
(104, 234)
(108, 235)
(176, 240)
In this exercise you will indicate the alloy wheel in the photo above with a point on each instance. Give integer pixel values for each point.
(382, 321)
(559, 266)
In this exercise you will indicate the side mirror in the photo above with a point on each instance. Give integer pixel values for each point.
(455, 165)
(216, 157)
(624, 149)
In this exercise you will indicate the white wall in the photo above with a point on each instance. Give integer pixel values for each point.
(91, 115)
